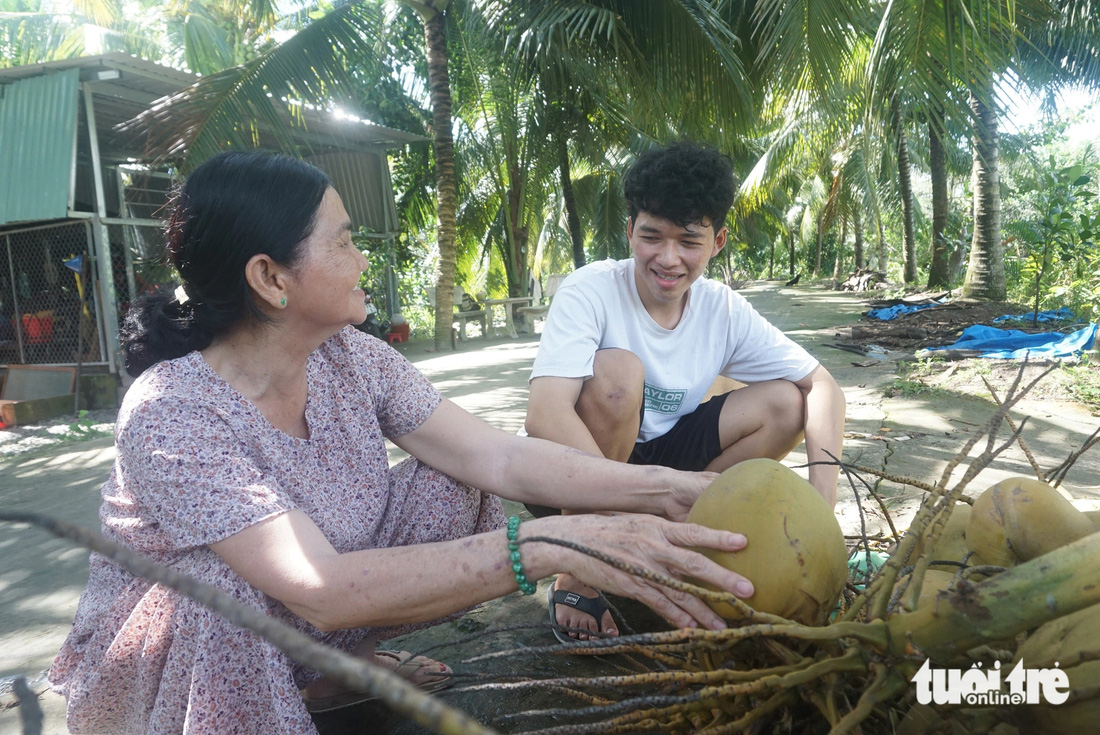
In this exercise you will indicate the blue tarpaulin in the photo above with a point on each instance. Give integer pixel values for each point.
(893, 312)
(1058, 315)
(1013, 344)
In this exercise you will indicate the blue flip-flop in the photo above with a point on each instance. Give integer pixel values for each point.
(594, 606)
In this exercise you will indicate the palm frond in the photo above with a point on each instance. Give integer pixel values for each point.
(803, 43)
(100, 12)
(206, 48)
(237, 106)
(666, 54)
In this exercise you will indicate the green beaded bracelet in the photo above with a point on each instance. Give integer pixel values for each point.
(525, 586)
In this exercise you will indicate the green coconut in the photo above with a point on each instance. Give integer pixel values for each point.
(795, 557)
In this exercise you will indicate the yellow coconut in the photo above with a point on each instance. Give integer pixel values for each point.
(1069, 641)
(951, 545)
(1094, 516)
(795, 557)
(935, 582)
(1019, 519)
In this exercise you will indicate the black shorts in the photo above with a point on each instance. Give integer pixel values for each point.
(690, 444)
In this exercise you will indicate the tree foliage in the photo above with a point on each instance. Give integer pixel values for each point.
(836, 114)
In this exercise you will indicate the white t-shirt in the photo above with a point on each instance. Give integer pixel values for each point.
(598, 307)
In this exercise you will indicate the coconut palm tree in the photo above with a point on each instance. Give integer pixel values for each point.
(582, 58)
(32, 31)
(311, 67)
(947, 56)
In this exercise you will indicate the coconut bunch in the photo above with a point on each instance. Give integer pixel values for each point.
(1011, 574)
(1016, 521)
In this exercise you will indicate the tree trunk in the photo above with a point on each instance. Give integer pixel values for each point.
(876, 205)
(516, 271)
(905, 187)
(790, 247)
(443, 150)
(569, 199)
(771, 260)
(955, 267)
(985, 276)
(857, 246)
(840, 250)
(939, 273)
(820, 235)
(881, 241)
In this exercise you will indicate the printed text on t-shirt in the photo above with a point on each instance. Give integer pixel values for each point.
(662, 400)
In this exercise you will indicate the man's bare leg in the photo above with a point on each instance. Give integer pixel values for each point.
(759, 420)
(610, 405)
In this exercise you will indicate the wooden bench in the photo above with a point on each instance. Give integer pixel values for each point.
(539, 311)
(36, 392)
(462, 317)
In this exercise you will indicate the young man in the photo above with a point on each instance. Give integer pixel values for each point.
(631, 347)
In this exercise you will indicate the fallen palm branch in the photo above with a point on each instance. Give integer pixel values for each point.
(397, 693)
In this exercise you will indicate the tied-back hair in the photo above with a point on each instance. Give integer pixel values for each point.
(232, 207)
(684, 183)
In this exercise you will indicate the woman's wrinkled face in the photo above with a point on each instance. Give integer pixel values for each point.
(325, 288)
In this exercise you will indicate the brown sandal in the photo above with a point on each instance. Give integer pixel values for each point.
(407, 666)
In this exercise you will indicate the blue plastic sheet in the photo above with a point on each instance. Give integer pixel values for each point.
(1013, 344)
(893, 312)
(1057, 315)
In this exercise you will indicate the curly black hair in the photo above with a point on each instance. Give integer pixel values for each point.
(685, 183)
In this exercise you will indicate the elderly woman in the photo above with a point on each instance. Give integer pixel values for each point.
(251, 456)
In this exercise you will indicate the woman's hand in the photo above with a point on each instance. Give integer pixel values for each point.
(683, 490)
(646, 542)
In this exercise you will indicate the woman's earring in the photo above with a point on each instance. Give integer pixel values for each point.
(282, 301)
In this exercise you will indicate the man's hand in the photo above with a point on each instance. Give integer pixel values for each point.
(684, 489)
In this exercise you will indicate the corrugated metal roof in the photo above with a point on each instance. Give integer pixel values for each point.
(140, 83)
(37, 136)
(123, 86)
(363, 181)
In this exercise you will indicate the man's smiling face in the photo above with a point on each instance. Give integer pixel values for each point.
(669, 258)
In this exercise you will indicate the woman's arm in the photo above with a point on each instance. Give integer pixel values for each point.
(288, 558)
(526, 469)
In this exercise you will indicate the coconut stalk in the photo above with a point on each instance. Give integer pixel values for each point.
(1055, 584)
(850, 671)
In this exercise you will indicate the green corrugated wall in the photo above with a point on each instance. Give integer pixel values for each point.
(37, 126)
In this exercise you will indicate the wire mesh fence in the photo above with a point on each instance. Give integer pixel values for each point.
(52, 303)
(48, 305)
(139, 263)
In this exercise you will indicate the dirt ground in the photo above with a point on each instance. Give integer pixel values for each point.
(899, 420)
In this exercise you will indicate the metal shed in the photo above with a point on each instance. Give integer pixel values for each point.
(80, 234)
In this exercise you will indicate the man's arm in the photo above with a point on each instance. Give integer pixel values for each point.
(552, 413)
(824, 411)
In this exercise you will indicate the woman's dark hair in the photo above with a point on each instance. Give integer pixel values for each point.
(684, 183)
(232, 207)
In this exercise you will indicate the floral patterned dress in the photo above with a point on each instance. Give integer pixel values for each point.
(197, 462)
